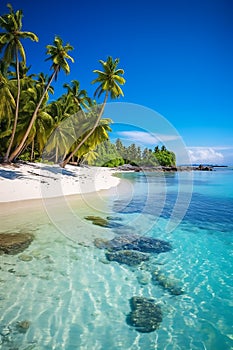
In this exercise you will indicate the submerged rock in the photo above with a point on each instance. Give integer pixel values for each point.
(11, 270)
(5, 330)
(101, 243)
(97, 220)
(128, 257)
(109, 221)
(23, 326)
(144, 277)
(134, 242)
(25, 257)
(145, 315)
(14, 243)
(167, 283)
(114, 218)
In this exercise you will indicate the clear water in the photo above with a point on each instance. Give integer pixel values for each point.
(75, 299)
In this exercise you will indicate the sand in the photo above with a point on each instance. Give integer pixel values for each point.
(25, 181)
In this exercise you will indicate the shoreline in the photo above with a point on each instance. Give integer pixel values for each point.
(32, 181)
(178, 168)
(25, 181)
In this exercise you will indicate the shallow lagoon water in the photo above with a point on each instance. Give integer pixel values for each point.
(75, 299)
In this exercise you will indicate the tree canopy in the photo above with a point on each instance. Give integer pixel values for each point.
(69, 129)
(31, 125)
(115, 154)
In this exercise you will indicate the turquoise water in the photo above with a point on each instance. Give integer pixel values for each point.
(75, 299)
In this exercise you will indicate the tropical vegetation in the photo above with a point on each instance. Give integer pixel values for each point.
(31, 125)
(116, 154)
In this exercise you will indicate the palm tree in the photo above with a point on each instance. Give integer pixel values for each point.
(7, 105)
(43, 122)
(99, 135)
(59, 56)
(62, 130)
(23, 72)
(10, 41)
(79, 96)
(109, 79)
(90, 157)
(41, 82)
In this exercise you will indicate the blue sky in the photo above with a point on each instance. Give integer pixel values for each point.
(177, 56)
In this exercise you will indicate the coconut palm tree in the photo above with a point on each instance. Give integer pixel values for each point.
(79, 96)
(42, 82)
(90, 157)
(42, 125)
(99, 135)
(23, 72)
(7, 105)
(62, 132)
(59, 56)
(109, 80)
(10, 42)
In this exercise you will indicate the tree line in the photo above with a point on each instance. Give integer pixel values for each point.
(30, 123)
(115, 154)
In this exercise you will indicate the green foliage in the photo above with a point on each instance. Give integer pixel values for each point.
(26, 107)
(165, 157)
(12, 50)
(148, 158)
(110, 78)
(106, 154)
(29, 120)
(113, 155)
(114, 162)
(108, 82)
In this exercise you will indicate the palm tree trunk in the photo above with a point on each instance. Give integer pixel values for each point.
(64, 157)
(6, 157)
(56, 155)
(63, 164)
(80, 109)
(18, 150)
(32, 150)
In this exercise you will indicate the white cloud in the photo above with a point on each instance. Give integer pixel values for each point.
(206, 155)
(146, 138)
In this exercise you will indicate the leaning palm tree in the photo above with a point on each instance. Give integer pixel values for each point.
(109, 80)
(40, 129)
(10, 42)
(99, 135)
(59, 56)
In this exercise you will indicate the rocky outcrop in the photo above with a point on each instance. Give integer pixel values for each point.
(129, 167)
(145, 316)
(204, 168)
(136, 168)
(127, 257)
(14, 243)
(134, 242)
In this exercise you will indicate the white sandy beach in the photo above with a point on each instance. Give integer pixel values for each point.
(36, 180)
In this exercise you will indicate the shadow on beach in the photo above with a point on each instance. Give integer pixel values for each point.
(10, 175)
(59, 170)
